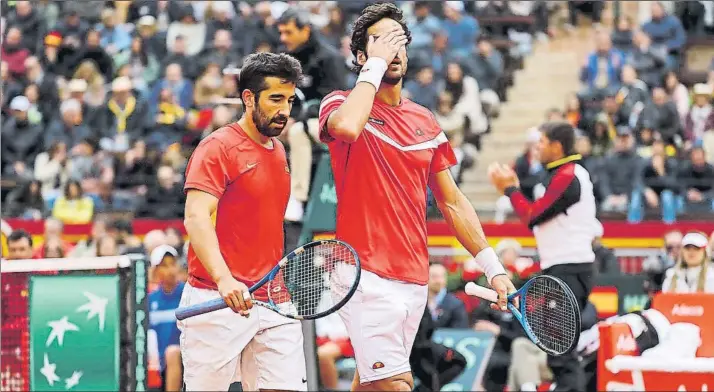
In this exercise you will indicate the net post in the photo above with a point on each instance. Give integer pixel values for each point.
(136, 322)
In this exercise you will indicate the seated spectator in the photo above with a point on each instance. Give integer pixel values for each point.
(622, 35)
(72, 25)
(465, 91)
(107, 246)
(697, 181)
(163, 302)
(10, 88)
(92, 50)
(423, 89)
(632, 95)
(69, 128)
(695, 16)
(602, 67)
(700, 119)
(114, 38)
(657, 184)
(423, 26)
(611, 116)
(694, 272)
(666, 31)
(19, 246)
(73, 207)
(34, 115)
(445, 309)
(54, 229)
(573, 112)
(486, 66)
(144, 67)
(461, 28)
(655, 266)
(177, 55)
(126, 117)
(170, 122)
(174, 80)
(221, 51)
(13, 52)
(661, 118)
(51, 170)
(154, 40)
(90, 246)
(25, 202)
(123, 233)
(591, 9)
(648, 61)
(618, 171)
(591, 163)
(164, 198)
(20, 140)
(678, 93)
(52, 249)
(187, 26)
(209, 89)
(453, 123)
(46, 96)
(28, 20)
(94, 89)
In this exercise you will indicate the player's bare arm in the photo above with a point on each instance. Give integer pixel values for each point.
(347, 122)
(463, 220)
(200, 206)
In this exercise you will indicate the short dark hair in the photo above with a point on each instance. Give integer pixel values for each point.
(562, 133)
(300, 17)
(18, 235)
(259, 66)
(369, 16)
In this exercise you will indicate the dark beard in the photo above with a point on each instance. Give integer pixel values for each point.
(262, 123)
(392, 81)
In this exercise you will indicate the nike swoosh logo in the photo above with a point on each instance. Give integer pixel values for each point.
(304, 380)
(251, 165)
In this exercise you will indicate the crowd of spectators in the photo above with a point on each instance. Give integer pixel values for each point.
(645, 137)
(103, 102)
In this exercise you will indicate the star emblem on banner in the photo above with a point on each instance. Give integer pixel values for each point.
(95, 307)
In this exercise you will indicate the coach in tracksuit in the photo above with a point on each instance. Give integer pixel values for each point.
(564, 224)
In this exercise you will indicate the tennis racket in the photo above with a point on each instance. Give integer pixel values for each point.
(311, 282)
(547, 310)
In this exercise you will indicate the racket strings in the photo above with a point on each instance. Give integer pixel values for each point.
(307, 284)
(552, 315)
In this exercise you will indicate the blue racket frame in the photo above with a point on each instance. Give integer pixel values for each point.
(218, 303)
(518, 312)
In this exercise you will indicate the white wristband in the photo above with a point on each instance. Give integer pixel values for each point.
(373, 71)
(489, 263)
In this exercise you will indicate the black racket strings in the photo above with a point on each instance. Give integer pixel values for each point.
(306, 285)
(551, 315)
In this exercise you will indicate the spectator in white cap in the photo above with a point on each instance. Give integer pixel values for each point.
(162, 306)
(19, 140)
(694, 272)
(700, 118)
(461, 28)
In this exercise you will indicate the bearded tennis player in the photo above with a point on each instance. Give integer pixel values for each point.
(385, 151)
(238, 186)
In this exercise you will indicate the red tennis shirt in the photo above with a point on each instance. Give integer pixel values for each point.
(252, 184)
(381, 182)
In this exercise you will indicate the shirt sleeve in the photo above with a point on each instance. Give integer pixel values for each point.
(328, 105)
(444, 156)
(210, 169)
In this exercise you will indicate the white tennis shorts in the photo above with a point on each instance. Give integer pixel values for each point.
(382, 319)
(263, 351)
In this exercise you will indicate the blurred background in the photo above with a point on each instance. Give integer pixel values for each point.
(103, 102)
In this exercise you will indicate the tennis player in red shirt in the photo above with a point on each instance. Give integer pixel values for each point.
(238, 186)
(385, 150)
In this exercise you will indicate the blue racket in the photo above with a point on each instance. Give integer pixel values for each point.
(311, 282)
(547, 310)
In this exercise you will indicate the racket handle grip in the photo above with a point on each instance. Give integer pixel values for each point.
(197, 309)
(479, 291)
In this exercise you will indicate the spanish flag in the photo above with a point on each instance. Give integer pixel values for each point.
(606, 301)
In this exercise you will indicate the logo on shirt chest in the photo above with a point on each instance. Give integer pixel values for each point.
(376, 121)
(419, 132)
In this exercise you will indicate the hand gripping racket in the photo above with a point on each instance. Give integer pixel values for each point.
(547, 310)
(311, 282)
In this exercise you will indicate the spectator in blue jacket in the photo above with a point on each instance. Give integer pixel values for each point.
(446, 310)
(461, 28)
(423, 26)
(173, 80)
(602, 67)
(667, 31)
(114, 39)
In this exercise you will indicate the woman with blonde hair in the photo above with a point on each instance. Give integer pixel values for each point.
(89, 72)
(694, 272)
